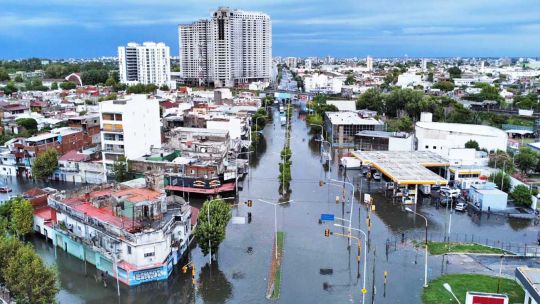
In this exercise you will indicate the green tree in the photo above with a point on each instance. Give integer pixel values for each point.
(211, 225)
(93, 77)
(10, 88)
(444, 86)
(110, 82)
(164, 87)
(27, 123)
(372, 99)
(3, 74)
(54, 86)
(472, 144)
(521, 196)
(119, 169)
(430, 77)
(350, 79)
(502, 160)
(29, 279)
(18, 78)
(454, 72)
(501, 180)
(526, 159)
(22, 216)
(68, 85)
(56, 71)
(45, 164)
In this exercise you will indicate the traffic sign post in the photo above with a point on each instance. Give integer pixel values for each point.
(327, 217)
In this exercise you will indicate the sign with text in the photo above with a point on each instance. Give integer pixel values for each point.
(327, 217)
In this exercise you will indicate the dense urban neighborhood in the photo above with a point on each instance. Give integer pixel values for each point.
(227, 174)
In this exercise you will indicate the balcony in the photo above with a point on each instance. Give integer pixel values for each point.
(112, 128)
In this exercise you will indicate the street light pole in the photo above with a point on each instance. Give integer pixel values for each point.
(365, 258)
(275, 218)
(352, 203)
(426, 244)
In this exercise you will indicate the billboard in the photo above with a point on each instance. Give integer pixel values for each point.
(485, 298)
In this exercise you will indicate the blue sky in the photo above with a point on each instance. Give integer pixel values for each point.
(341, 28)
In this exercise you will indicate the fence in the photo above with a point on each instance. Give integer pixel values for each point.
(522, 249)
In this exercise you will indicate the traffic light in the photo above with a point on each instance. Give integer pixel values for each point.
(326, 232)
(250, 203)
(184, 269)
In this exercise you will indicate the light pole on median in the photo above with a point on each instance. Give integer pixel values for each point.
(426, 244)
(352, 203)
(365, 258)
(449, 289)
(275, 217)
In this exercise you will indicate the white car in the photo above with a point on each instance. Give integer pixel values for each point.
(461, 206)
(377, 176)
(450, 192)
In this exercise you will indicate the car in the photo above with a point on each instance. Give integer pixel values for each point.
(377, 176)
(450, 192)
(461, 206)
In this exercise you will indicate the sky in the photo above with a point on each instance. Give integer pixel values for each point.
(340, 28)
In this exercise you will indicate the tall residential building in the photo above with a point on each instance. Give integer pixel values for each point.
(146, 63)
(308, 63)
(424, 64)
(369, 63)
(130, 128)
(231, 48)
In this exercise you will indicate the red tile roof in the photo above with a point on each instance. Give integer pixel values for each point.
(73, 155)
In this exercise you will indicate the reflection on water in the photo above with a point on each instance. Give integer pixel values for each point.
(259, 150)
(213, 286)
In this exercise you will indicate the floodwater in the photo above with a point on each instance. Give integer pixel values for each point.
(315, 269)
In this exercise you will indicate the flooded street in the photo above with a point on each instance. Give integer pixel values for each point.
(315, 269)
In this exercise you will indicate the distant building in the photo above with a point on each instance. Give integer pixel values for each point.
(147, 63)
(369, 63)
(233, 47)
(130, 128)
(383, 141)
(308, 64)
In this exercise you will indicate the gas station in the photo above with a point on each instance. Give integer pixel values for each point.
(406, 169)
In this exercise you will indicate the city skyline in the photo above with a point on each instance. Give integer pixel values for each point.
(387, 28)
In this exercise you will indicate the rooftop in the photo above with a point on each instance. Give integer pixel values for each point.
(530, 280)
(405, 168)
(54, 133)
(350, 118)
(481, 130)
(383, 134)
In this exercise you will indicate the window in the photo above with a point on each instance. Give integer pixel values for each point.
(434, 147)
(129, 249)
(149, 254)
(427, 147)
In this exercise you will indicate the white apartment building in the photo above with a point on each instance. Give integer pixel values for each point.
(129, 127)
(146, 63)
(231, 48)
(369, 63)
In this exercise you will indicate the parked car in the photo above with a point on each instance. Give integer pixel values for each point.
(450, 192)
(461, 206)
(377, 176)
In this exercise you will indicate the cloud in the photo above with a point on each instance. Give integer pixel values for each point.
(438, 30)
(13, 20)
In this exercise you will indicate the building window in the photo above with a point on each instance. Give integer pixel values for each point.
(434, 147)
(149, 254)
(129, 249)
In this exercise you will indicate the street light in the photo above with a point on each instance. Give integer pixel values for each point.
(426, 244)
(352, 203)
(275, 217)
(236, 173)
(208, 218)
(365, 258)
(449, 289)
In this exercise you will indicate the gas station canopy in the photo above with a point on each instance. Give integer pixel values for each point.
(405, 167)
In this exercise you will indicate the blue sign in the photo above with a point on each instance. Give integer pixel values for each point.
(327, 217)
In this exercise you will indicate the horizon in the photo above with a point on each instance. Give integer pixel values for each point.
(64, 29)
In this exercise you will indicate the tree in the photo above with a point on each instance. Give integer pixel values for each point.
(18, 78)
(444, 86)
(454, 72)
(45, 164)
(119, 169)
(502, 160)
(28, 279)
(372, 99)
(501, 180)
(56, 71)
(93, 77)
(430, 77)
(27, 123)
(472, 144)
(211, 225)
(164, 87)
(526, 159)
(22, 216)
(110, 82)
(3, 74)
(522, 196)
(10, 88)
(350, 79)
(68, 85)
(54, 86)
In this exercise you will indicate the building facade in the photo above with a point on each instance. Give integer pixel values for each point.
(233, 47)
(130, 128)
(147, 63)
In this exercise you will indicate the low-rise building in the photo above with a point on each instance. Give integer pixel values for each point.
(383, 141)
(134, 234)
(487, 197)
(341, 127)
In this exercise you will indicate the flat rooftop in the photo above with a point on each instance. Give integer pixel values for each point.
(350, 118)
(405, 168)
(530, 280)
